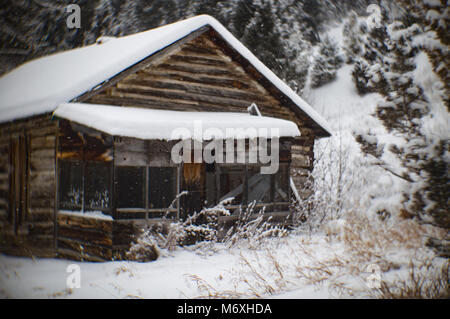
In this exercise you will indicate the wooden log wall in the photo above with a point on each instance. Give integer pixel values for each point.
(84, 238)
(302, 164)
(33, 233)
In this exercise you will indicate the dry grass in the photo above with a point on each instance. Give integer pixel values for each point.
(337, 258)
(425, 281)
(209, 292)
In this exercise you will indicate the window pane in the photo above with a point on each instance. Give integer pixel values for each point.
(70, 184)
(210, 188)
(97, 181)
(130, 187)
(258, 185)
(232, 183)
(281, 185)
(161, 187)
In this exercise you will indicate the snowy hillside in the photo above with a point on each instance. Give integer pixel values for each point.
(372, 188)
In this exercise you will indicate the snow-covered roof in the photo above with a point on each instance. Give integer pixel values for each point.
(39, 86)
(146, 123)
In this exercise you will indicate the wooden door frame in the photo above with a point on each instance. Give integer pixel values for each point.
(18, 181)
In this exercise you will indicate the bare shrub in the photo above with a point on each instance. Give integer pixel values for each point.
(251, 228)
(145, 249)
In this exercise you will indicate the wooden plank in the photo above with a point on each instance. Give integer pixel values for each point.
(43, 153)
(89, 236)
(81, 256)
(40, 164)
(43, 228)
(177, 86)
(185, 97)
(195, 69)
(227, 82)
(41, 215)
(87, 223)
(210, 60)
(47, 141)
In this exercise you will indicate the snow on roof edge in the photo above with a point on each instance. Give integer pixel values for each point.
(44, 104)
(143, 123)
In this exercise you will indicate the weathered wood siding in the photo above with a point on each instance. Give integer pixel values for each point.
(302, 164)
(84, 237)
(33, 233)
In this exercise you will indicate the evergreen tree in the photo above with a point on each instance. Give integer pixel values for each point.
(326, 63)
(423, 157)
(352, 38)
(375, 54)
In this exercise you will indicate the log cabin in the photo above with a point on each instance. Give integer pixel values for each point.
(86, 138)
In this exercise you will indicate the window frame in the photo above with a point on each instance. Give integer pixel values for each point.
(146, 212)
(271, 204)
(84, 184)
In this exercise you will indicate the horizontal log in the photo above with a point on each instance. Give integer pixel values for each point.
(229, 82)
(195, 48)
(193, 88)
(84, 222)
(300, 161)
(41, 228)
(88, 236)
(198, 60)
(43, 153)
(42, 202)
(74, 255)
(19, 126)
(42, 190)
(144, 92)
(44, 215)
(137, 101)
(47, 141)
(4, 216)
(38, 164)
(87, 248)
(195, 69)
(48, 130)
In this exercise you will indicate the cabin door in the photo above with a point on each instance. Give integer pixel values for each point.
(18, 182)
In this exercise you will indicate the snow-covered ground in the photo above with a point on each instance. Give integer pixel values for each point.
(185, 273)
(300, 265)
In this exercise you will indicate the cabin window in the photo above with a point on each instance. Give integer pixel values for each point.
(97, 182)
(281, 184)
(71, 184)
(259, 185)
(246, 184)
(84, 186)
(161, 186)
(232, 182)
(130, 181)
(145, 192)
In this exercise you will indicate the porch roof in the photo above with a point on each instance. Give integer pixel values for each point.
(173, 125)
